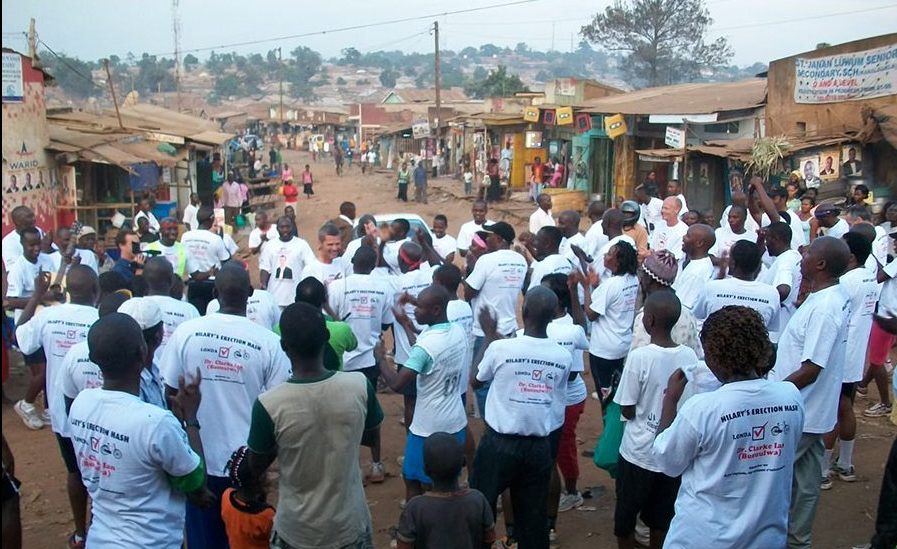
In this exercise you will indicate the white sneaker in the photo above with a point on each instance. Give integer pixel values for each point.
(847, 474)
(570, 501)
(45, 418)
(877, 410)
(825, 483)
(378, 473)
(29, 415)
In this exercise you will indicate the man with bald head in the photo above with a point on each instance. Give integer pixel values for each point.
(739, 198)
(158, 275)
(668, 236)
(168, 247)
(282, 262)
(435, 365)
(568, 223)
(237, 360)
(22, 218)
(524, 414)
(56, 330)
(650, 206)
(811, 354)
(697, 268)
(595, 237)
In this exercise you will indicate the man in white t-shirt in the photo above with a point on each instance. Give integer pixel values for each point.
(282, 263)
(697, 267)
(327, 265)
(479, 210)
(595, 237)
(57, 329)
(861, 287)
(668, 236)
(145, 209)
(542, 216)
(739, 199)
(169, 248)
(260, 308)
(735, 230)
(770, 207)
(548, 261)
(205, 255)
(717, 441)
(827, 216)
(674, 189)
(237, 360)
(650, 206)
(22, 218)
(568, 223)
(389, 249)
(444, 243)
(529, 377)
(364, 302)
(495, 284)
(435, 364)
(136, 460)
(158, 274)
(85, 244)
(742, 288)
(190, 212)
(810, 354)
(784, 272)
(263, 231)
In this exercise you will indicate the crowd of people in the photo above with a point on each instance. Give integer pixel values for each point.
(724, 361)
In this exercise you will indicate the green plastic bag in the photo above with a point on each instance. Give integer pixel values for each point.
(607, 451)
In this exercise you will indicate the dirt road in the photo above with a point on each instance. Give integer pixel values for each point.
(845, 516)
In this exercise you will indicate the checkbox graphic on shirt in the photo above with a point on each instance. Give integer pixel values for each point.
(537, 375)
(759, 432)
(223, 352)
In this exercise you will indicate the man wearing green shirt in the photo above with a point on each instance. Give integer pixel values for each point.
(312, 425)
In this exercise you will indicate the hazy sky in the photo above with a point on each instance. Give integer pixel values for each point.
(759, 30)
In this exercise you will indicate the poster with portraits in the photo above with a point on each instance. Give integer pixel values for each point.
(851, 161)
(809, 170)
(829, 165)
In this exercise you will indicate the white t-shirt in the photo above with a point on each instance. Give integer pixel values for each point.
(466, 232)
(238, 360)
(412, 283)
(174, 313)
(352, 247)
(445, 245)
(797, 229)
(285, 262)
(328, 272)
(78, 373)
(734, 449)
(127, 451)
(669, 238)
(862, 290)
(785, 270)
(20, 278)
(572, 337)
(595, 239)
(88, 258)
(459, 312)
(529, 385)
(540, 218)
(681, 198)
(189, 218)
(151, 219)
(887, 299)
(205, 250)
(499, 277)
(614, 300)
(391, 255)
(598, 258)
(750, 224)
(725, 239)
(229, 244)
(761, 297)
(438, 407)
(11, 248)
(643, 384)
(651, 218)
(566, 247)
(255, 236)
(555, 263)
(881, 244)
(260, 308)
(692, 278)
(817, 332)
(364, 303)
(56, 329)
(838, 230)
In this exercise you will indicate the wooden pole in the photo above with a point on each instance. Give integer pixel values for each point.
(280, 67)
(684, 154)
(112, 91)
(436, 74)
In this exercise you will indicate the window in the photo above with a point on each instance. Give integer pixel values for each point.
(801, 128)
(722, 127)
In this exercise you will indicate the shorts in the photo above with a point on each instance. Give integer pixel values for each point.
(67, 449)
(413, 465)
(849, 390)
(645, 494)
(372, 373)
(880, 343)
(37, 357)
(410, 389)
(554, 442)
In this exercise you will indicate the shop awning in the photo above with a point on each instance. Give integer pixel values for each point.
(684, 99)
(121, 148)
(720, 151)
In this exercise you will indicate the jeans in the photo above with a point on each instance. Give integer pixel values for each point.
(480, 393)
(403, 192)
(204, 526)
(420, 193)
(805, 490)
(522, 464)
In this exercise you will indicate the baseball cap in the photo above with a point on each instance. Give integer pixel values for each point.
(824, 210)
(502, 229)
(86, 230)
(145, 311)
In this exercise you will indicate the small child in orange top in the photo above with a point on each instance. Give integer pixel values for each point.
(248, 519)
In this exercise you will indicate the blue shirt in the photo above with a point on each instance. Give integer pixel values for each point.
(420, 176)
(123, 267)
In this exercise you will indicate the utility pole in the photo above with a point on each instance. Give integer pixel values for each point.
(176, 25)
(280, 66)
(436, 73)
(112, 91)
(552, 36)
(32, 44)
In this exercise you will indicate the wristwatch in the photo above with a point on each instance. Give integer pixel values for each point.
(192, 423)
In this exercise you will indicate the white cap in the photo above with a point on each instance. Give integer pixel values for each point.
(145, 311)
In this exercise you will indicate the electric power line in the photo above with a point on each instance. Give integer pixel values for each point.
(69, 66)
(804, 18)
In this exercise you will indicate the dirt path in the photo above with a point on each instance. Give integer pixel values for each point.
(845, 516)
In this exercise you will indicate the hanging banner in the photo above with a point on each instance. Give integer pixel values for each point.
(13, 79)
(548, 117)
(420, 129)
(845, 77)
(583, 122)
(615, 126)
(531, 114)
(564, 116)
(675, 137)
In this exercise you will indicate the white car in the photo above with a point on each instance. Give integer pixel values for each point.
(416, 221)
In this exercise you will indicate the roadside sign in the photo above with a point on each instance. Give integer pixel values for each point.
(675, 137)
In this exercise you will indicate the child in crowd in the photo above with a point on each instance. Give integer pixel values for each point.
(446, 515)
(247, 517)
(307, 182)
(643, 490)
(468, 181)
(290, 193)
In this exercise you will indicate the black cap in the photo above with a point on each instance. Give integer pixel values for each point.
(502, 229)
(824, 210)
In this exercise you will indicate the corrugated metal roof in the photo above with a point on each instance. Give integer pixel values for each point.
(695, 98)
(414, 95)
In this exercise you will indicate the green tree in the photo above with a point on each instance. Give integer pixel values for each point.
(410, 71)
(351, 56)
(72, 74)
(340, 81)
(498, 84)
(388, 78)
(153, 75)
(521, 48)
(190, 61)
(480, 74)
(300, 70)
(665, 40)
(489, 50)
(543, 76)
(227, 85)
